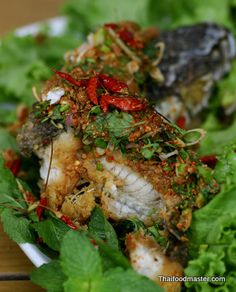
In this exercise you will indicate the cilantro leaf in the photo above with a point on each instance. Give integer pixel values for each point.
(49, 276)
(79, 258)
(100, 227)
(51, 231)
(17, 227)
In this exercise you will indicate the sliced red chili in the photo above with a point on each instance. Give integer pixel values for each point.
(41, 207)
(125, 35)
(209, 160)
(92, 89)
(29, 197)
(68, 222)
(70, 79)
(122, 103)
(129, 39)
(112, 84)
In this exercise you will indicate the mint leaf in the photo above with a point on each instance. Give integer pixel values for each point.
(76, 284)
(49, 276)
(51, 231)
(17, 228)
(111, 257)
(118, 280)
(100, 227)
(115, 280)
(10, 196)
(79, 258)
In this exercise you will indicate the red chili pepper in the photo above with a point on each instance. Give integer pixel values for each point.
(41, 207)
(92, 89)
(70, 79)
(209, 160)
(112, 84)
(111, 25)
(181, 122)
(122, 103)
(68, 222)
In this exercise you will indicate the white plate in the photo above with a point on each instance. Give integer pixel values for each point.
(56, 27)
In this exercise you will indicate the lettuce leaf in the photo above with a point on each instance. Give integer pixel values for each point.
(212, 245)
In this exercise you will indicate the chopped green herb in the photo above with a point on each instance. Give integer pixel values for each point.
(99, 167)
(101, 143)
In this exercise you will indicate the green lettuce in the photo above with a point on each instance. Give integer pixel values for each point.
(167, 14)
(212, 236)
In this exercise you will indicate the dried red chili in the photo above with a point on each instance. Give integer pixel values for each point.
(92, 89)
(122, 103)
(112, 84)
(70, 79)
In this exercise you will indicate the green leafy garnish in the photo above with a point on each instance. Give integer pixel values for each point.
(213, 231)
(51, 231)
(49, 276)
(100, 227)
(17, 227)
(80, 269)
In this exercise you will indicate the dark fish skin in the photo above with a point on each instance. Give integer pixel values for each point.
(34, 135)
(199, 54)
